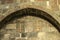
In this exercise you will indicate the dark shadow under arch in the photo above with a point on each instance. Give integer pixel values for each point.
(30, 12)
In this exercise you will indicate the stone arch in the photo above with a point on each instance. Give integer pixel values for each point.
(22, 6)
(31, 12)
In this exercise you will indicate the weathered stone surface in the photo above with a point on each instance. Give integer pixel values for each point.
(53, 11)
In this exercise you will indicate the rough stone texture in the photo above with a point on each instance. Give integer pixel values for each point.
(38, 5)
(53, 11)
(36, 29)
